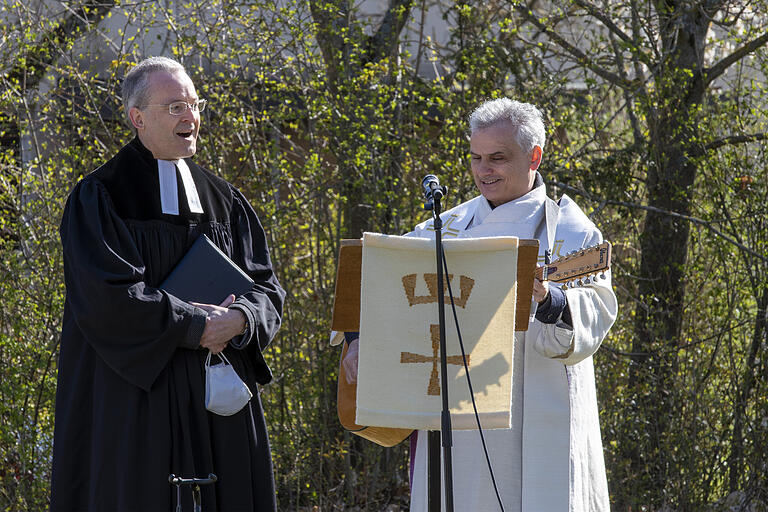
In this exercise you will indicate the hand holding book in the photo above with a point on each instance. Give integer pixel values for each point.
(222, 325)
(203, 277)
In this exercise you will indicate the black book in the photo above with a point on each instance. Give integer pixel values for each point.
(206, 275)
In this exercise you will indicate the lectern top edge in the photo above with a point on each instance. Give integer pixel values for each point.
(354, 242)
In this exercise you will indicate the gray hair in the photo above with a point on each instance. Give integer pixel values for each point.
(524, 117)
(136, 81)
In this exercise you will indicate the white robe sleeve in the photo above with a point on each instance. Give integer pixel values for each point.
(593, 310)
(336, 338)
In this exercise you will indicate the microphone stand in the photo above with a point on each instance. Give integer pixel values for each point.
(434, 195)
(195, 483)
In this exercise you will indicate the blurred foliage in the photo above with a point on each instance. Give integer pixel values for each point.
(324, 118)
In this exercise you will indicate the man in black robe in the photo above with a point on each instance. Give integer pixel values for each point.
(130, 400)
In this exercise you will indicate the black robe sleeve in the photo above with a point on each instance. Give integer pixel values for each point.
(133, 327)
(263, 305)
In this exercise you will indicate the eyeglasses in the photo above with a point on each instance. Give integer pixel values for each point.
(177, 108)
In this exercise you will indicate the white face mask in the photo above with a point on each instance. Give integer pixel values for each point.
(225, 391)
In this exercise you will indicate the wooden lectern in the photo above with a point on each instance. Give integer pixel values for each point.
(346, 318)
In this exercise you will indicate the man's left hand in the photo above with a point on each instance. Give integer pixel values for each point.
(540, 290)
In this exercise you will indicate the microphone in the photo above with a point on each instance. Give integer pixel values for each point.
(432, 188)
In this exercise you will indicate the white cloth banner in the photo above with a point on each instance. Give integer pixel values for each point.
(399, 366)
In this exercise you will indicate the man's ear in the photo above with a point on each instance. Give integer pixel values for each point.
(536, 157)
(137, 118)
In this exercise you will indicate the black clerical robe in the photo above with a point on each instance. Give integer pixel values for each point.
(130, 399)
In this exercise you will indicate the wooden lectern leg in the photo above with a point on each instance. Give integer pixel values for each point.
(346, 403)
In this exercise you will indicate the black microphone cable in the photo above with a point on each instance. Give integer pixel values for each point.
(469, 383)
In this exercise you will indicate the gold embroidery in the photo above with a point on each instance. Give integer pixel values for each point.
(447, 229)
(556, 252)
(434, 382)
(409, 285)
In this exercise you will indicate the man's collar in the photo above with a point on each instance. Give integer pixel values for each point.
(144, 152)
(538, 181)
(139, 147)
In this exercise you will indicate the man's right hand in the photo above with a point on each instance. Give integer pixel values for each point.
(350, 361)
(222, 324)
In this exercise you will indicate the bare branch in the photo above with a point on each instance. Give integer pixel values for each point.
(596, 13)
(609, 24)
(721, 66)
(580, 56)
(633, 121)
(735, 139)
(669, 213)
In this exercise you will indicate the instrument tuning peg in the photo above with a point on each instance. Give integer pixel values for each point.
(565, 286)
(580, 282)
(587, 281)
(602, 276)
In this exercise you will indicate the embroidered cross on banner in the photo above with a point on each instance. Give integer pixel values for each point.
(434, 382)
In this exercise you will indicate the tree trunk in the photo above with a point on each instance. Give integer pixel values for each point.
(32, 64)
(334, 23)
(671, 175)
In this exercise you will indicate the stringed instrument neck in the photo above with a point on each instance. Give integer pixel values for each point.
(586, 262)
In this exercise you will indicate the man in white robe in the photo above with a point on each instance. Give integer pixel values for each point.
(551, 459)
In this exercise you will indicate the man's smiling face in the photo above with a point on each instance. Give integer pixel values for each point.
(501, 170)
(168, 137)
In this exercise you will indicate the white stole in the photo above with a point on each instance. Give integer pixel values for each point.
(540, 435)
